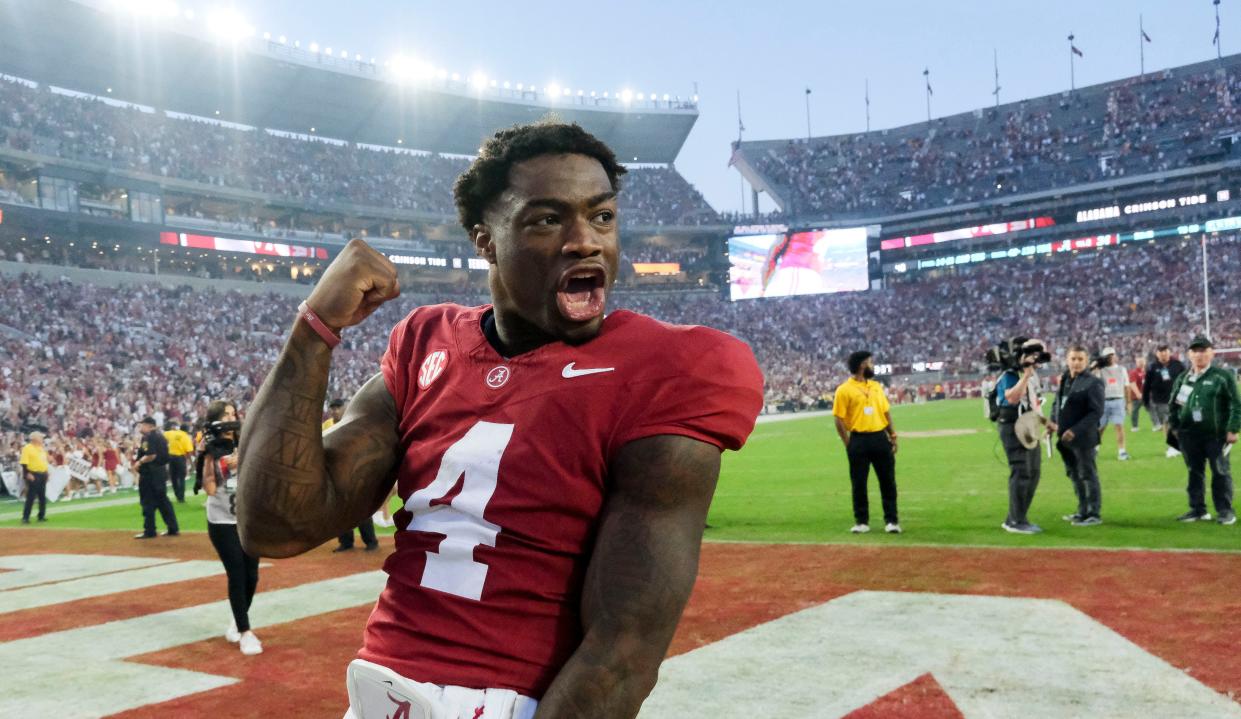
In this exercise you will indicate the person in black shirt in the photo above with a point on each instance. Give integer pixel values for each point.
(153, 480)
(1075, 420)
(1157, 389)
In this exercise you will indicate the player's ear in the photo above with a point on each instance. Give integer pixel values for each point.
(484, 243)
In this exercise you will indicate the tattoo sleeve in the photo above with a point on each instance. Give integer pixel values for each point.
(643, 567)
(298, 486)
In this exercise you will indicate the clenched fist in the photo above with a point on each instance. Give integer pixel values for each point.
(357, 282)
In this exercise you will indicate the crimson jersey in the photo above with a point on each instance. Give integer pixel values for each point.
(504, 473)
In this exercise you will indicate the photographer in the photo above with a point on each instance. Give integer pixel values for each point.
(1018, 392)
(1075, 418)
(1115, 387)
(217, 471)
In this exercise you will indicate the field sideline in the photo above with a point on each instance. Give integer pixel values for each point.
(790, 484)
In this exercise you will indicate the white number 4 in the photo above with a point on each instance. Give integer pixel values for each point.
(452, 568)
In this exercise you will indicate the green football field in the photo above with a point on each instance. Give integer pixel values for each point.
(790, 484)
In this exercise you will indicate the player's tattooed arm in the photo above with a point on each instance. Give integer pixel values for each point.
(298, 486)
(643, 567)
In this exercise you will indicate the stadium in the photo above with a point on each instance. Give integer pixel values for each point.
(172, 186)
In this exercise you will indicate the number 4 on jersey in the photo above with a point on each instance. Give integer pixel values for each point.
(476, 456)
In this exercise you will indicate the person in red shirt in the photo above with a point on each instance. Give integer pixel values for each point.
(1137, 376)
(555, 461)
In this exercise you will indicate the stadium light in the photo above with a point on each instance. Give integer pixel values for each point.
(666, 97)
(605, 94)
(507, 85)
(519, 86)
(640, 96)
(314, 47)
(442, 74)
(266, 35)
(553, 91)
(109, 91)
(695, 98)
(344, 53)
(566, 92)
(327, 51)
(479, 81)
(494, 84)
(228, 25)
(580, 93)
(152, 8)
(626, 96)
(283, 40)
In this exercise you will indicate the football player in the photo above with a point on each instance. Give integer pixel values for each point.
(556, 461)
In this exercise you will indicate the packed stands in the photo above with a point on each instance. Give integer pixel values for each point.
(1177, 118)
(85, 359)
(296, 168)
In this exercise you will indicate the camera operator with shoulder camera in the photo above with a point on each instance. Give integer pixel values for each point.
(1017, 392)
(1075, 419)
(217, 472)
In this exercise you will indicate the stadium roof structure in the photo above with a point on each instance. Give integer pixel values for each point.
(168, 63)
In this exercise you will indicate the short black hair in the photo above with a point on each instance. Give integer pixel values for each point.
(336, 403)
(1163, 348)
(169, 425)
(488, 176)
(856, 359)
(1077, 348)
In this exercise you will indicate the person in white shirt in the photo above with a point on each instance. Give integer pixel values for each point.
(1115, 387)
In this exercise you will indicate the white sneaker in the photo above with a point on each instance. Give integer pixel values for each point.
(1157, 428)
(860, 528)
(1122, 455)
(250, 644)
(231, 634)
(892, 528)
(1172, 452)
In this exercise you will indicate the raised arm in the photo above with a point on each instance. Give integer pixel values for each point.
(297, 486)
(643, 567)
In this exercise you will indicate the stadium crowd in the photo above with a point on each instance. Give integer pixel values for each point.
(1157, 122)
(84, 361)
(307, 170)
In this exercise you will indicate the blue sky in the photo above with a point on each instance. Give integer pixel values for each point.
(770, 52)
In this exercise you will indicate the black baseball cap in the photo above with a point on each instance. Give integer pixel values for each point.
(1200, 342)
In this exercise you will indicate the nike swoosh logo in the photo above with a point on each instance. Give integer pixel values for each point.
(569, 372)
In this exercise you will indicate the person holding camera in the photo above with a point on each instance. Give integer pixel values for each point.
(1075, 420)
(152, 463)
(1205, 419)
(217, 471)
(1115, 387)
(1017, 392)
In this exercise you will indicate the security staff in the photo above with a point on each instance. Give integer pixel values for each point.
(1075, 419)
(1205, 417)
(1157, 389)
(153, 481)
(180, 447)
(1017, 392)
(864, 423)
(34, 473)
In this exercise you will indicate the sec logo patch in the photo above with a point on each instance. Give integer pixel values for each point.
(432, 367)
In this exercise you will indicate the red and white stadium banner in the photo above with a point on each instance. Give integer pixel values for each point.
(965, 233)
(226, 244)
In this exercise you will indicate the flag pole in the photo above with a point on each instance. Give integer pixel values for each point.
(1219, 46)
(868, 104)
(1072, 75)
(1141, 47)
(808, 135)
(927, 74)
(995, 59)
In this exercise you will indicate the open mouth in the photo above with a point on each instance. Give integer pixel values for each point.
(580, 293)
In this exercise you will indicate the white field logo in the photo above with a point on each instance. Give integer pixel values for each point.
(432, 367)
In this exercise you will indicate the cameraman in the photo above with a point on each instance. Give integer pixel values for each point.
(1017, 392)
(1115, 387)
(217, 470)
(1075, 418)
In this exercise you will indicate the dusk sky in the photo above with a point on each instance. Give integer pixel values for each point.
(771, 52)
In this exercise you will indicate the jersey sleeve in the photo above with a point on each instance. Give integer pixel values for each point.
(714, 398)
(396, 361)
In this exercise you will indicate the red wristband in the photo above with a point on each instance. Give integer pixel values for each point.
(331, 338)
